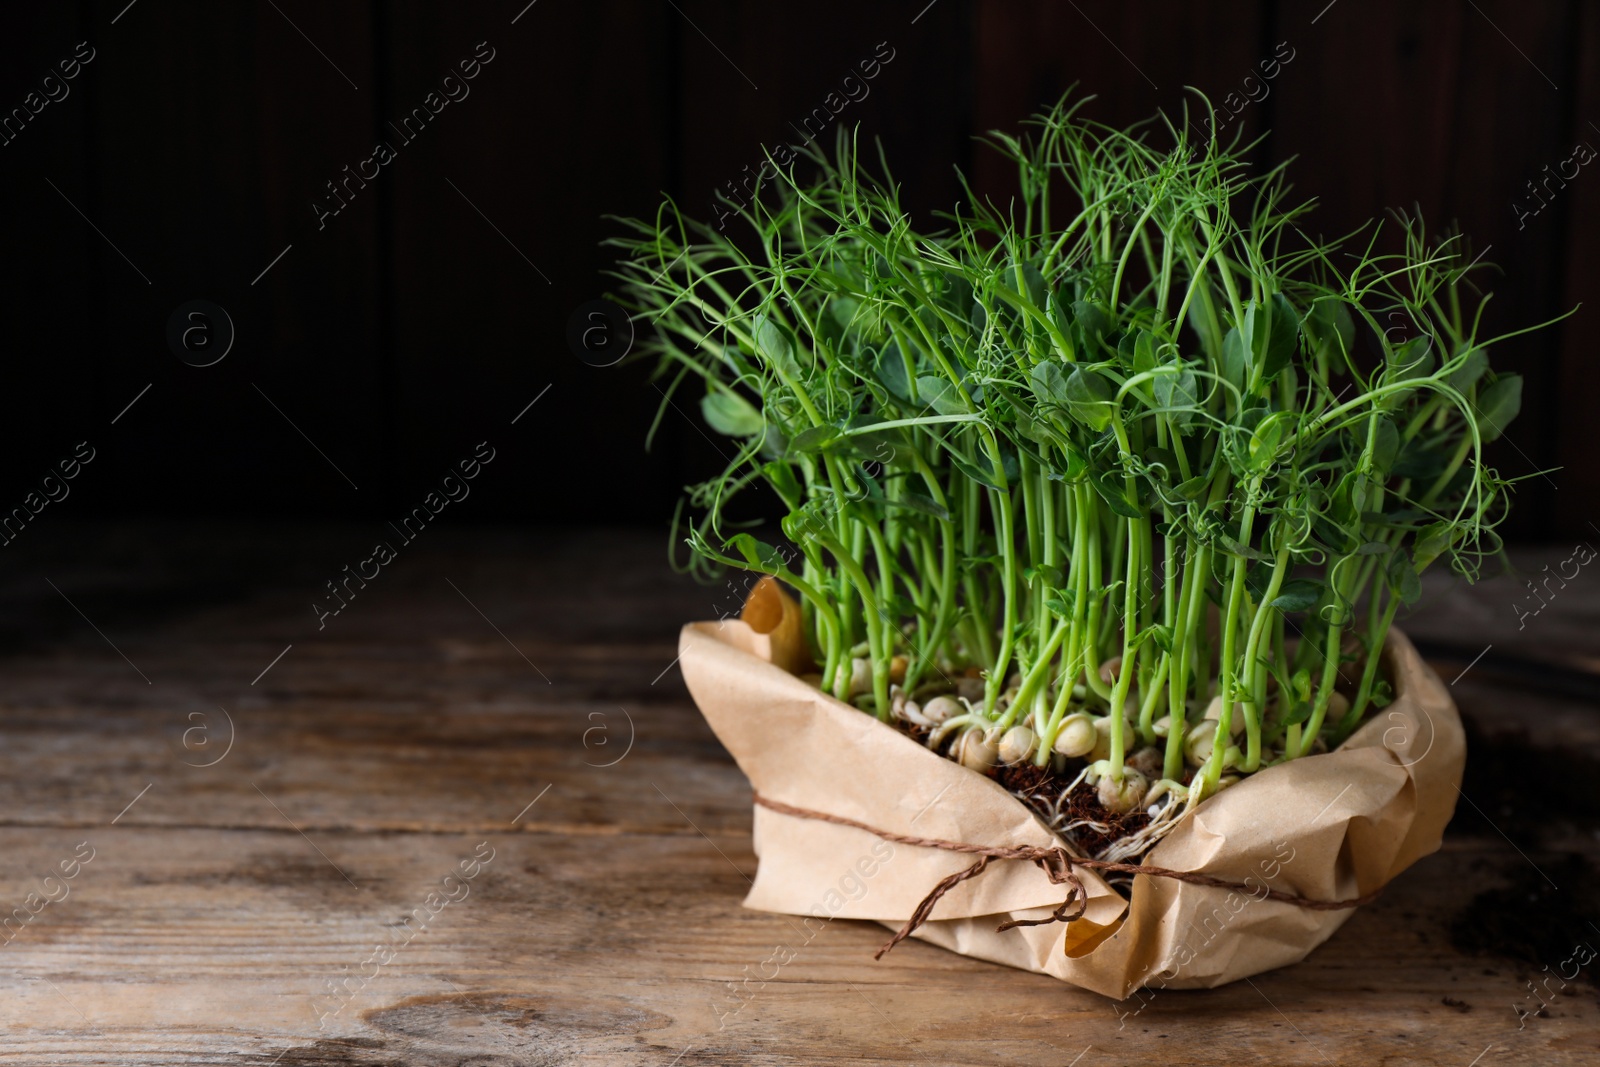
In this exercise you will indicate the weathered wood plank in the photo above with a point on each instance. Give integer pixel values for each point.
(223, 943)
(606, 927)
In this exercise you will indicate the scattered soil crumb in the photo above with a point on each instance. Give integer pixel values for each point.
(1528, 920)
(1499, 768)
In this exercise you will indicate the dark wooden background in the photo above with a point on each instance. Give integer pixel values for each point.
(419, 321)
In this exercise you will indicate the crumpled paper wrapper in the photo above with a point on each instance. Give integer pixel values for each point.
(1331, 827)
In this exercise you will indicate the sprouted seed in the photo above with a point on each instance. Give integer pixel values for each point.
(1128, 439)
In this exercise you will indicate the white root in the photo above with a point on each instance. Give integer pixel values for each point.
(1160, 825)
(907, 710)
(1056, 818)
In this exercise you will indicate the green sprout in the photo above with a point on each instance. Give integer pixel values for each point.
(1131, 448)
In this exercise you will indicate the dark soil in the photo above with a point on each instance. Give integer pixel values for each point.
(1527, 794)
(1041, 788)
(1500, 772)
(1529, 920)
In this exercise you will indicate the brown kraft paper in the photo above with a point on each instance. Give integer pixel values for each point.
(1333, 826)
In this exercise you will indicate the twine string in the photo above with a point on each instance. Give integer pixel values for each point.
(1055, 862)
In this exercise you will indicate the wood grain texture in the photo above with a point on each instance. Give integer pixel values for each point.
(231, 914)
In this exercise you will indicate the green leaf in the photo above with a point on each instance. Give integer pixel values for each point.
(977, 474)
(1329, 327)
(1092, 320)
(926, 505)
(760, 555)
(842, 309)
(731, 414)
(1433, 542)
(1180, 393)
(1194, 488)
(774, 343)
(1105, 484)
(1238, 548)
(1348, 496)
(1385, 445)
(1300, 684)
(1235, 359)
(1472, 368)
(958, 294)
(1403, 578)
(890, 368)
(1298, 713)
(1038, 431)
(1048, 382)
(1077, 463)
(1269, 437)
(1157, 457)
(1008, 463)
(1089, 398)
(1330, 533)
(1161, 635)
(1498, 405)
(1419, 461)
(868, 440)
(1297, 594)
(1256, 580)
(782, 478)
(1372, 548)
(1034, 283)
(1280, 343)
(1396, 519)
(940, 394)
(1063, 322)
(1061, 605)
(1412, 360)
(1051, 576)
(869, 483)
(814, 439)
(1144, 352)
(774, 444)
(1125, 349)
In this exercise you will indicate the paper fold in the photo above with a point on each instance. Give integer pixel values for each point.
(1331, 827)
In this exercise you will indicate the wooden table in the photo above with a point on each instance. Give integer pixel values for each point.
(508, 700)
